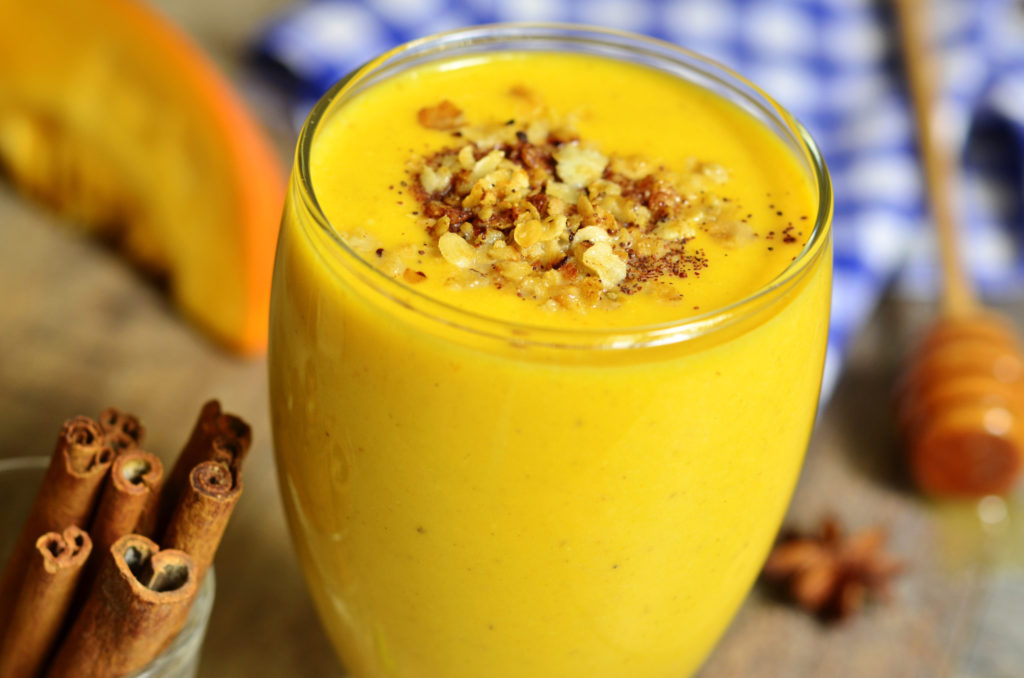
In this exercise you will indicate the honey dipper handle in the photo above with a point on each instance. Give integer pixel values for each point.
(940, 172)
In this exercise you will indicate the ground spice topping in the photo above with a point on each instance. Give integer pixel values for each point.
(529, 206)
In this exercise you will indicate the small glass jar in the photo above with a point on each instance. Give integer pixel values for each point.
(20, 478)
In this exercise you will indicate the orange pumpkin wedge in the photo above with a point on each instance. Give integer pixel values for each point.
(115, 118)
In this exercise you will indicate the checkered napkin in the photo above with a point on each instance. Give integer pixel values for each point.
(833, 63)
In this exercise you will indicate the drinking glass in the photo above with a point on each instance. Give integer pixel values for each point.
(470, 496)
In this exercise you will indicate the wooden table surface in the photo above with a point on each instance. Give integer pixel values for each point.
(78, 332)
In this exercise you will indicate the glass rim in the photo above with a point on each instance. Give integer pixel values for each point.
(442, 44)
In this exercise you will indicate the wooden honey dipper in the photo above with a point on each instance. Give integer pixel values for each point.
(961, 400)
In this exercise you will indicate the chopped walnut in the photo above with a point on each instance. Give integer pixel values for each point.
(602, 260)
(564, 193)
(527, 205)
(676, 229)
(579, 166)
(631, 168)
(435, 181)
(456, 251)
(732, 233)
(714, 171)
(444, 116)
(594, 234)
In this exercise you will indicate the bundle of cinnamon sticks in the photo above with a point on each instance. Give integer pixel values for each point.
(110, 558)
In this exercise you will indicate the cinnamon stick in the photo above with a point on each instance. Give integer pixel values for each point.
(128, 502)
(44, 598)
(123, 431)
(67, 496)
(140, 602)
(217, 436)
(202, 513)
(229, 451)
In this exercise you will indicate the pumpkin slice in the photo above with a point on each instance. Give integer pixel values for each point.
(112, 116)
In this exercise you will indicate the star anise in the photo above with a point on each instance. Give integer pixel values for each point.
(829, 574)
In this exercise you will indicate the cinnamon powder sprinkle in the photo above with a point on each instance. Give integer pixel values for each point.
(527, 205)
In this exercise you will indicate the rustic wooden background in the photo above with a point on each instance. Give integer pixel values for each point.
(78, 332)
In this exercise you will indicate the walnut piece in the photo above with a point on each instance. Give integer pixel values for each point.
(602, 261)
(732, 233)
(443, 116)
(435, 181)
(579, 166)
(456, 251)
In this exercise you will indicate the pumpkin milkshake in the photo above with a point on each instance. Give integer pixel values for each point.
(547, 333)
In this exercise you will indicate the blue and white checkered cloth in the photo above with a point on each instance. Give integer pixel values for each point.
(833, 63)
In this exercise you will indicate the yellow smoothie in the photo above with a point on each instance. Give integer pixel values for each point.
(566, 468)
